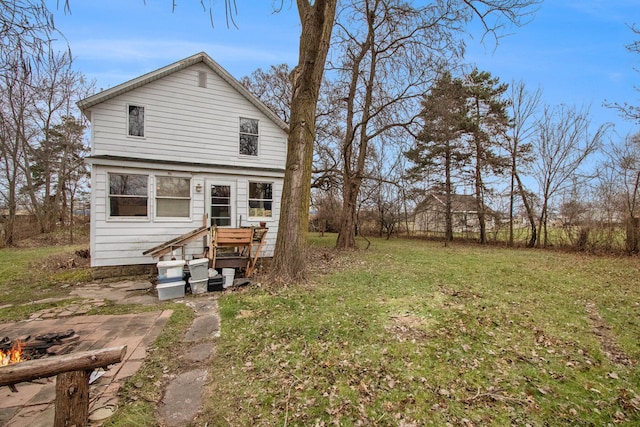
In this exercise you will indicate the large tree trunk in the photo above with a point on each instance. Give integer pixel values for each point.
(317, 22)
(347, 233)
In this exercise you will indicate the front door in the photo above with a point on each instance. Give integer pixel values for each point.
(221, 202)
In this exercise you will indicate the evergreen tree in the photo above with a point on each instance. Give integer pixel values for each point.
(487, 123)
(439, 144)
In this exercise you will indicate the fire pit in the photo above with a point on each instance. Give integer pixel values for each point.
(30, 348)
(13, 355)
(34, 402)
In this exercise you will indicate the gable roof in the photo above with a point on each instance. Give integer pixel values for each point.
(108, 94)
(459, 203)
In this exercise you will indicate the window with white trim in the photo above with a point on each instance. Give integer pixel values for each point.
(220, 205)
(260, 199)
(136, 120)
(248, 136)
(173, 197)
(128, 195)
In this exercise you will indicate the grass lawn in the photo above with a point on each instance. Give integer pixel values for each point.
(29, 274)
(413, 333)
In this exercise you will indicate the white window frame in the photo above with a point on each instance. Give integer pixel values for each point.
(232, 184)
(250, 156)
(156, 197)
(249, 199)
(144, 121)
(145, 218)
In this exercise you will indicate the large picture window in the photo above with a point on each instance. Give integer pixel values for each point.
(248, 137)
(173, 196)
(260, 199)
(136, 120)
(128, 195)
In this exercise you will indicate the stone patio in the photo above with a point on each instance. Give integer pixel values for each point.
(33, 405)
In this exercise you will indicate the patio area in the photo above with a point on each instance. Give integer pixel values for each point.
(33, 403)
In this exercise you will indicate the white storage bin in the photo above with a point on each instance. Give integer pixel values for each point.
(199, 268)
(170, 269)
(199, 286)
(170, 290)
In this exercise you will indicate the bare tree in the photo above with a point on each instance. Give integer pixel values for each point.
(628, 111)
(563, 144)
(317, 19)
(273, 88)
(386, 58)
(16, 134)
(523, 106)
(390, 51)
(26, 29)
(624, 160)
(57, 87)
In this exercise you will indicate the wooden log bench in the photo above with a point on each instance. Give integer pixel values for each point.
(72, 380)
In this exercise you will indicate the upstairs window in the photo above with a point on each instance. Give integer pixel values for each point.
(248, 137)
(128, 195)
(173, 197)
(136, 120)
(260, 199)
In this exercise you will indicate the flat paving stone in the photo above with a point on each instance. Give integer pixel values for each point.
(7, 413)
(203, 327)
(200, 352)
(183, 398)
(207, 306)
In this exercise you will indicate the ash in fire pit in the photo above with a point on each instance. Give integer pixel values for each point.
(29, 348)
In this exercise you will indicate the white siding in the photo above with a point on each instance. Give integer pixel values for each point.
(192, 131)
(121, 241)
(186, 123)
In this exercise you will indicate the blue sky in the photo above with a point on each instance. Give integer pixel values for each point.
(573, 49)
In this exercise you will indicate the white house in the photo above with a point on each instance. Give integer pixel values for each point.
(175, 149)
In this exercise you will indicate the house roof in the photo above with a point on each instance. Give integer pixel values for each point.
(459, 203)
(201, 57)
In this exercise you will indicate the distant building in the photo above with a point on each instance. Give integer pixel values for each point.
(430, 214)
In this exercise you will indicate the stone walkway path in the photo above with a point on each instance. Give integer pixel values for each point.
(183, 396)
(33, 404)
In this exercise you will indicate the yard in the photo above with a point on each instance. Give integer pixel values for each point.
(412, 333)
(409, 333)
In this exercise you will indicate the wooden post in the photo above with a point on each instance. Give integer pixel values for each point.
(72, 399)
(72, 380)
